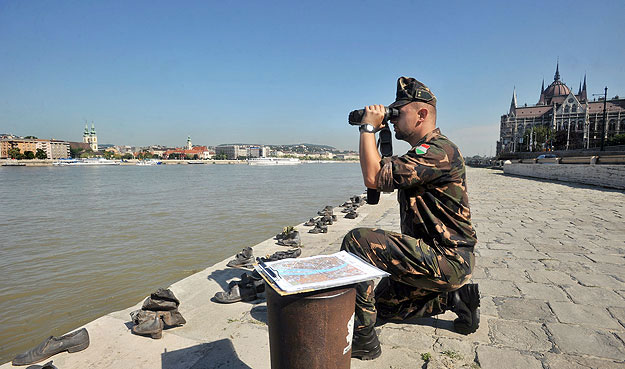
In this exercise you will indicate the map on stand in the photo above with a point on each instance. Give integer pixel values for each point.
(317, 272)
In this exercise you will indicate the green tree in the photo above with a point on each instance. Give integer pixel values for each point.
(617, 140)
(127, 156)
(29, 155)
(14, 153)
(221, 156)
(195, 157)
(40, 154)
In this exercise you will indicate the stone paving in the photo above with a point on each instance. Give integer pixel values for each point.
(550, 265)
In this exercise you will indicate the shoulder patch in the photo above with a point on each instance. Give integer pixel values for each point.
(422, 149)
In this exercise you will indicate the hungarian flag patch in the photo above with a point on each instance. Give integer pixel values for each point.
(422, 149)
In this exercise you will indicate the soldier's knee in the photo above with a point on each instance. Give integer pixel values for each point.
(353, 239)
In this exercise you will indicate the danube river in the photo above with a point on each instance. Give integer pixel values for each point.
(80, 242)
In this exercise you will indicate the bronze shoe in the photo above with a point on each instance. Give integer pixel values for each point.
(153, 327)
(172, 318)
(71, 342)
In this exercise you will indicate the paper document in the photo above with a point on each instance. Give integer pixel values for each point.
(317, 272)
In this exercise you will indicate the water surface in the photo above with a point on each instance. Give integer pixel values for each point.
(79, 242)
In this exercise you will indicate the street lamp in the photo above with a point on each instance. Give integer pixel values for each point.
(605, 101)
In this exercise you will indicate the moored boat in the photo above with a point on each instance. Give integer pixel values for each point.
(273, 161)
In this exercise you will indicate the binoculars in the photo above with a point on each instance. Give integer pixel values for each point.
(385, 142)
(355, 117)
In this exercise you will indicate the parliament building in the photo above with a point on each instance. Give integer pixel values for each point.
(561, 120)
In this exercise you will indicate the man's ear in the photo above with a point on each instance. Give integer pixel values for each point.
(422, 114)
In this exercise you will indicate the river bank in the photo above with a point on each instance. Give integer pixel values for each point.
(50, 162)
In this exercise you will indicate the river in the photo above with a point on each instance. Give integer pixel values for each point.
(80, 242)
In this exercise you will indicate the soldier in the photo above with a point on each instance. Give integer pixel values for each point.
(431, 261)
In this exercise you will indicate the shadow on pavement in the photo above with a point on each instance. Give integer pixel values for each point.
(564, 183)
(218, 354)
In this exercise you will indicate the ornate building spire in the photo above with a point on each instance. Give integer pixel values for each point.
(541, 100)
(583, 95)
(513, 104)
(556, 77)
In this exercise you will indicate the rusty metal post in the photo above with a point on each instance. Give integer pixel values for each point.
(311, 330)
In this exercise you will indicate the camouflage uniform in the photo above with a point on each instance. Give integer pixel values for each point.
(434, 253)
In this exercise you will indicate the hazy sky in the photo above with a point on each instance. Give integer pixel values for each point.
(279, 72)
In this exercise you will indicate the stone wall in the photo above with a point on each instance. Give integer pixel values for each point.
(612, 176)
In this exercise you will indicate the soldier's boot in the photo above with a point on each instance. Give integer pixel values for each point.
(465, 303)
(365, 345)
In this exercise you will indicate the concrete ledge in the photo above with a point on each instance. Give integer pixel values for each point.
(611, 176)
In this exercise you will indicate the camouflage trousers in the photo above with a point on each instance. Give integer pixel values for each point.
(420, 276)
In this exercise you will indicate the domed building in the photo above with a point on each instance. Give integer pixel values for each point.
(561, 120)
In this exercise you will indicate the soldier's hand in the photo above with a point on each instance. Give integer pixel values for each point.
(374, 115)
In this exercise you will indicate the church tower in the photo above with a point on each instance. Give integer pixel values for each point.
(189, 145)
(94, 139)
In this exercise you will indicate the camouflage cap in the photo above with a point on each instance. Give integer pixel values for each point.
(409, 90)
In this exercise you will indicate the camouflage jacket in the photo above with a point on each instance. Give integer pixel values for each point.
(432, 195)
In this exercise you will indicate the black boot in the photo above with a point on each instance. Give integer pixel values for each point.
(465, 302)
(365, 345)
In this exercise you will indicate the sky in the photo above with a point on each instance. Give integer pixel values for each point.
(285, 72)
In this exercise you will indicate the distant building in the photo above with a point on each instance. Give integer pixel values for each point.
(90, 137)
(202, 152)
(54, 149)
(232, 151)
(574, 121)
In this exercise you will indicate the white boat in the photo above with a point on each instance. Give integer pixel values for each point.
(274, 161)
(149, 162)
(89, 161)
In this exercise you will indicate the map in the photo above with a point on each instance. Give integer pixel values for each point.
(318, 272)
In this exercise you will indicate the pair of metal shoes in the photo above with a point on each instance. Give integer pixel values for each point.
(71, 342)
(243, 259)
(160, 309)
(328, 210)
(279, 255)
(249, 288)
(294, 240)
(351, 215)
(319, 229)
(152, 323)
(286, 233)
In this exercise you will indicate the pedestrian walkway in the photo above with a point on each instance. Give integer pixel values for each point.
(550, 265)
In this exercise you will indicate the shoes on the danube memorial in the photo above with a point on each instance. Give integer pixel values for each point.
(279, 255)
(71, 342)
(319, 229)
(156, 304)
(286, 233)
(311, 222)
(294, 241)
(240, 292)
(242, 259)
(152, 327)
(351, 215)
(465, 303)
(365, 345)
(47, 365)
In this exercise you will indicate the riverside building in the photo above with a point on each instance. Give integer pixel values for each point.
(54, 149)
(569, 121)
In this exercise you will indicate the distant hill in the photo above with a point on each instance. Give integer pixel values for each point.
(293, 147)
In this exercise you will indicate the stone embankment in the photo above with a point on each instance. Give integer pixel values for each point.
(611, 176)
(549, 264)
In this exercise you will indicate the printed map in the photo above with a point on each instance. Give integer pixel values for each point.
(318, 272)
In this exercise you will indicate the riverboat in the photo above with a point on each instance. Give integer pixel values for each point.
(89, 161)
(273, 161)
(149, 162)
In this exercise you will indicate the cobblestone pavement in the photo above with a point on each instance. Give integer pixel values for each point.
(550, 266)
